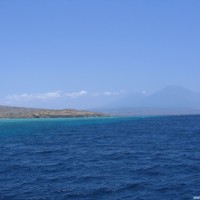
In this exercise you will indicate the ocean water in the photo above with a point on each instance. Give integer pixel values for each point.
(100, 158)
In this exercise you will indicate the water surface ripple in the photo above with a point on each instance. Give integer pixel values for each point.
(108, 158)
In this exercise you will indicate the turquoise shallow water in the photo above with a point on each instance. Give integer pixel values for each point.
(100, 158)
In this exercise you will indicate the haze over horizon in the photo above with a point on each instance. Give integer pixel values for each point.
(82, 54)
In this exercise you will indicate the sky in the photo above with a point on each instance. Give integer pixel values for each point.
(86, 53)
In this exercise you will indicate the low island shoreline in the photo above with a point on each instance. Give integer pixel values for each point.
(8, 112)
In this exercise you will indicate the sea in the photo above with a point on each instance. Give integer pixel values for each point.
(108, 158)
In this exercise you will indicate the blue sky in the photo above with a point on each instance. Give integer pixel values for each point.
(85, 53)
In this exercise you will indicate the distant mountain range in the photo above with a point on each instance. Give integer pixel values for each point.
(171, 100)
(168, 101)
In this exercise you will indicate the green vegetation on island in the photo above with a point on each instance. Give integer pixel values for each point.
(20, 112)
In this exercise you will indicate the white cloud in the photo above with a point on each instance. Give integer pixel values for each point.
(45, 96)
(108, 93)
(74, 95)
(55, 95)
(39, 96)
(144, 92)
(49, 95)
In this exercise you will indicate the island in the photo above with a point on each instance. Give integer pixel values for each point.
(20, 112)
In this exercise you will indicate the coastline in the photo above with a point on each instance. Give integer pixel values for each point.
(7, 112)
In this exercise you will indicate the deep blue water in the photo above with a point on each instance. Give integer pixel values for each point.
(100, 158)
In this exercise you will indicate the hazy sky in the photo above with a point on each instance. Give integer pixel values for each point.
(98, 49)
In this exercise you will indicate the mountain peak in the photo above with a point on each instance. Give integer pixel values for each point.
(174, 91)
(175, 88)
(172, 99)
